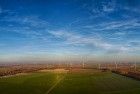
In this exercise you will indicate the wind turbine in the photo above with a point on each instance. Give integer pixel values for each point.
(99, 66)
(135, 66)
(83, 64)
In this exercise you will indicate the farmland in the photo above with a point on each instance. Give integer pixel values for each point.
(76, 81)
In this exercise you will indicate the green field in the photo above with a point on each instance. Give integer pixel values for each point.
(79, 82)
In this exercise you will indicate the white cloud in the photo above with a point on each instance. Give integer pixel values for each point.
(30, 21)
(78, 39)
(131, 9)
(30, 26)
(113, 25)
(120, 33)
(109, 7)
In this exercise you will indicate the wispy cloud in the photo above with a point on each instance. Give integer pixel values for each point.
(114, 25)
(100, 9)
(109, 6)
(78, 39)
(33, 21)
(30, 26)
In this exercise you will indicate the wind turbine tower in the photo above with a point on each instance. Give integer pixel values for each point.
(83, 64)
(135, 66)
(99, 66)
(116, 66)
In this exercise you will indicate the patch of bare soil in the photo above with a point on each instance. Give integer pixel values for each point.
(55, 70)
(19, 74)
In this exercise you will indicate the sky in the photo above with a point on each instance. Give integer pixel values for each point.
(69, 29)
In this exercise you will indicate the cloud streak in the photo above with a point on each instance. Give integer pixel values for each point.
(114, 25)
(77, 39)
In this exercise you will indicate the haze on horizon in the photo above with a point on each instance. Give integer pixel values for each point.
(39, 30)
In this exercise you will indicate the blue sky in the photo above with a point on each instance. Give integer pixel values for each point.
(62, 29)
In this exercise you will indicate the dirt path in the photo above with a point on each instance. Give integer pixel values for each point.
(58, 79)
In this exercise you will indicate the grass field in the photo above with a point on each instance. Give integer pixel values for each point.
(74, 82)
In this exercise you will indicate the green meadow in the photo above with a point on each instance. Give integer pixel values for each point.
(79, 82)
